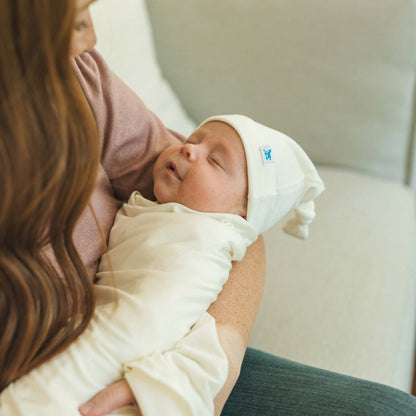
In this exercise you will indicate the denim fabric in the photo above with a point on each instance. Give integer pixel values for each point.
(270, 386)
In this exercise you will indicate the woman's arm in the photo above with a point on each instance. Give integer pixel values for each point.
(235, 311)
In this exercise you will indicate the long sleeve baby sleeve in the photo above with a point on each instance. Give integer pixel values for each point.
(184, 380)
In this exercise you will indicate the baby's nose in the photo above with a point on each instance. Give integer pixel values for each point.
(189, 151)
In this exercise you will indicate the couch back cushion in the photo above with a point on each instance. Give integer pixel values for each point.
(125, 40)
(338, 76)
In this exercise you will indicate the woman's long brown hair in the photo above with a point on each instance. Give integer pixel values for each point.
(49, 156)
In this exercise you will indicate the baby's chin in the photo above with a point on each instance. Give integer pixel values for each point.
(162, 198)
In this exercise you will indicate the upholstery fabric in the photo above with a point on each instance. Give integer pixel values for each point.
(337, 77)
(130, 54)
(343, 299)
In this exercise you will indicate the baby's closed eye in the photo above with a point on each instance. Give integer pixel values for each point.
(216, 159)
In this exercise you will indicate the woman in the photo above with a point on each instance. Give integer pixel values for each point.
(64, 167)
(73, 143)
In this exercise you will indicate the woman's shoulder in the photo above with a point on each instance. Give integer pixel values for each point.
(92, 72)
(132, 136)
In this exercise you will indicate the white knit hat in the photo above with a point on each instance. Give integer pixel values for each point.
(281, 177)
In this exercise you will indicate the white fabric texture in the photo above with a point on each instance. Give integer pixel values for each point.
(163, 390)
(169, 263)
(281, 177)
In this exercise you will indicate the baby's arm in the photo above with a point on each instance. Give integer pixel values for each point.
(184, 380)
(194, 275)
(235, 311)
(168, 265)
(187, 373)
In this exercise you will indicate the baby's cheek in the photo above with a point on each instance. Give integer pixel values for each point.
(159, 192)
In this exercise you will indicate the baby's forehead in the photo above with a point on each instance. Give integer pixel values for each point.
(219, 132)
(223, 137)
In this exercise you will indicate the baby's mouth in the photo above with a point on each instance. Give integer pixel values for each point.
(172, 168)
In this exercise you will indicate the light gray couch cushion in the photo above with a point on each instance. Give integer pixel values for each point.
(125, 41)
(338, 76)
(345, 299)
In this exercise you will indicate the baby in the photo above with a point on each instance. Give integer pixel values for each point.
(231, 180)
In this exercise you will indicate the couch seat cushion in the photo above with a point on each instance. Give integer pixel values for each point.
(344, 300)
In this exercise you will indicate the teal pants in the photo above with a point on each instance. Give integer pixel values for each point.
(272, 386)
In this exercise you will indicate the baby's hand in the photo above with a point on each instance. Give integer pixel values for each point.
(113, 397)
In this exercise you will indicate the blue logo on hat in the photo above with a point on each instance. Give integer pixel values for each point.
(267, 155)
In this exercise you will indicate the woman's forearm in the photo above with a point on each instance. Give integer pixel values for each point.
(235, 311)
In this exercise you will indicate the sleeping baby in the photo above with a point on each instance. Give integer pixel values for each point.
(167, 262)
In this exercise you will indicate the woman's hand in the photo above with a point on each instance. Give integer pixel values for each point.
(113, 397)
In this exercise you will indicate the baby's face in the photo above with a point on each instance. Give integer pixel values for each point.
(206, 173)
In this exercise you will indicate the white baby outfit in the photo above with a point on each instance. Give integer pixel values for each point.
(169, 263)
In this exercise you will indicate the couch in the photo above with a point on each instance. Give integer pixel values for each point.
(338, 77)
